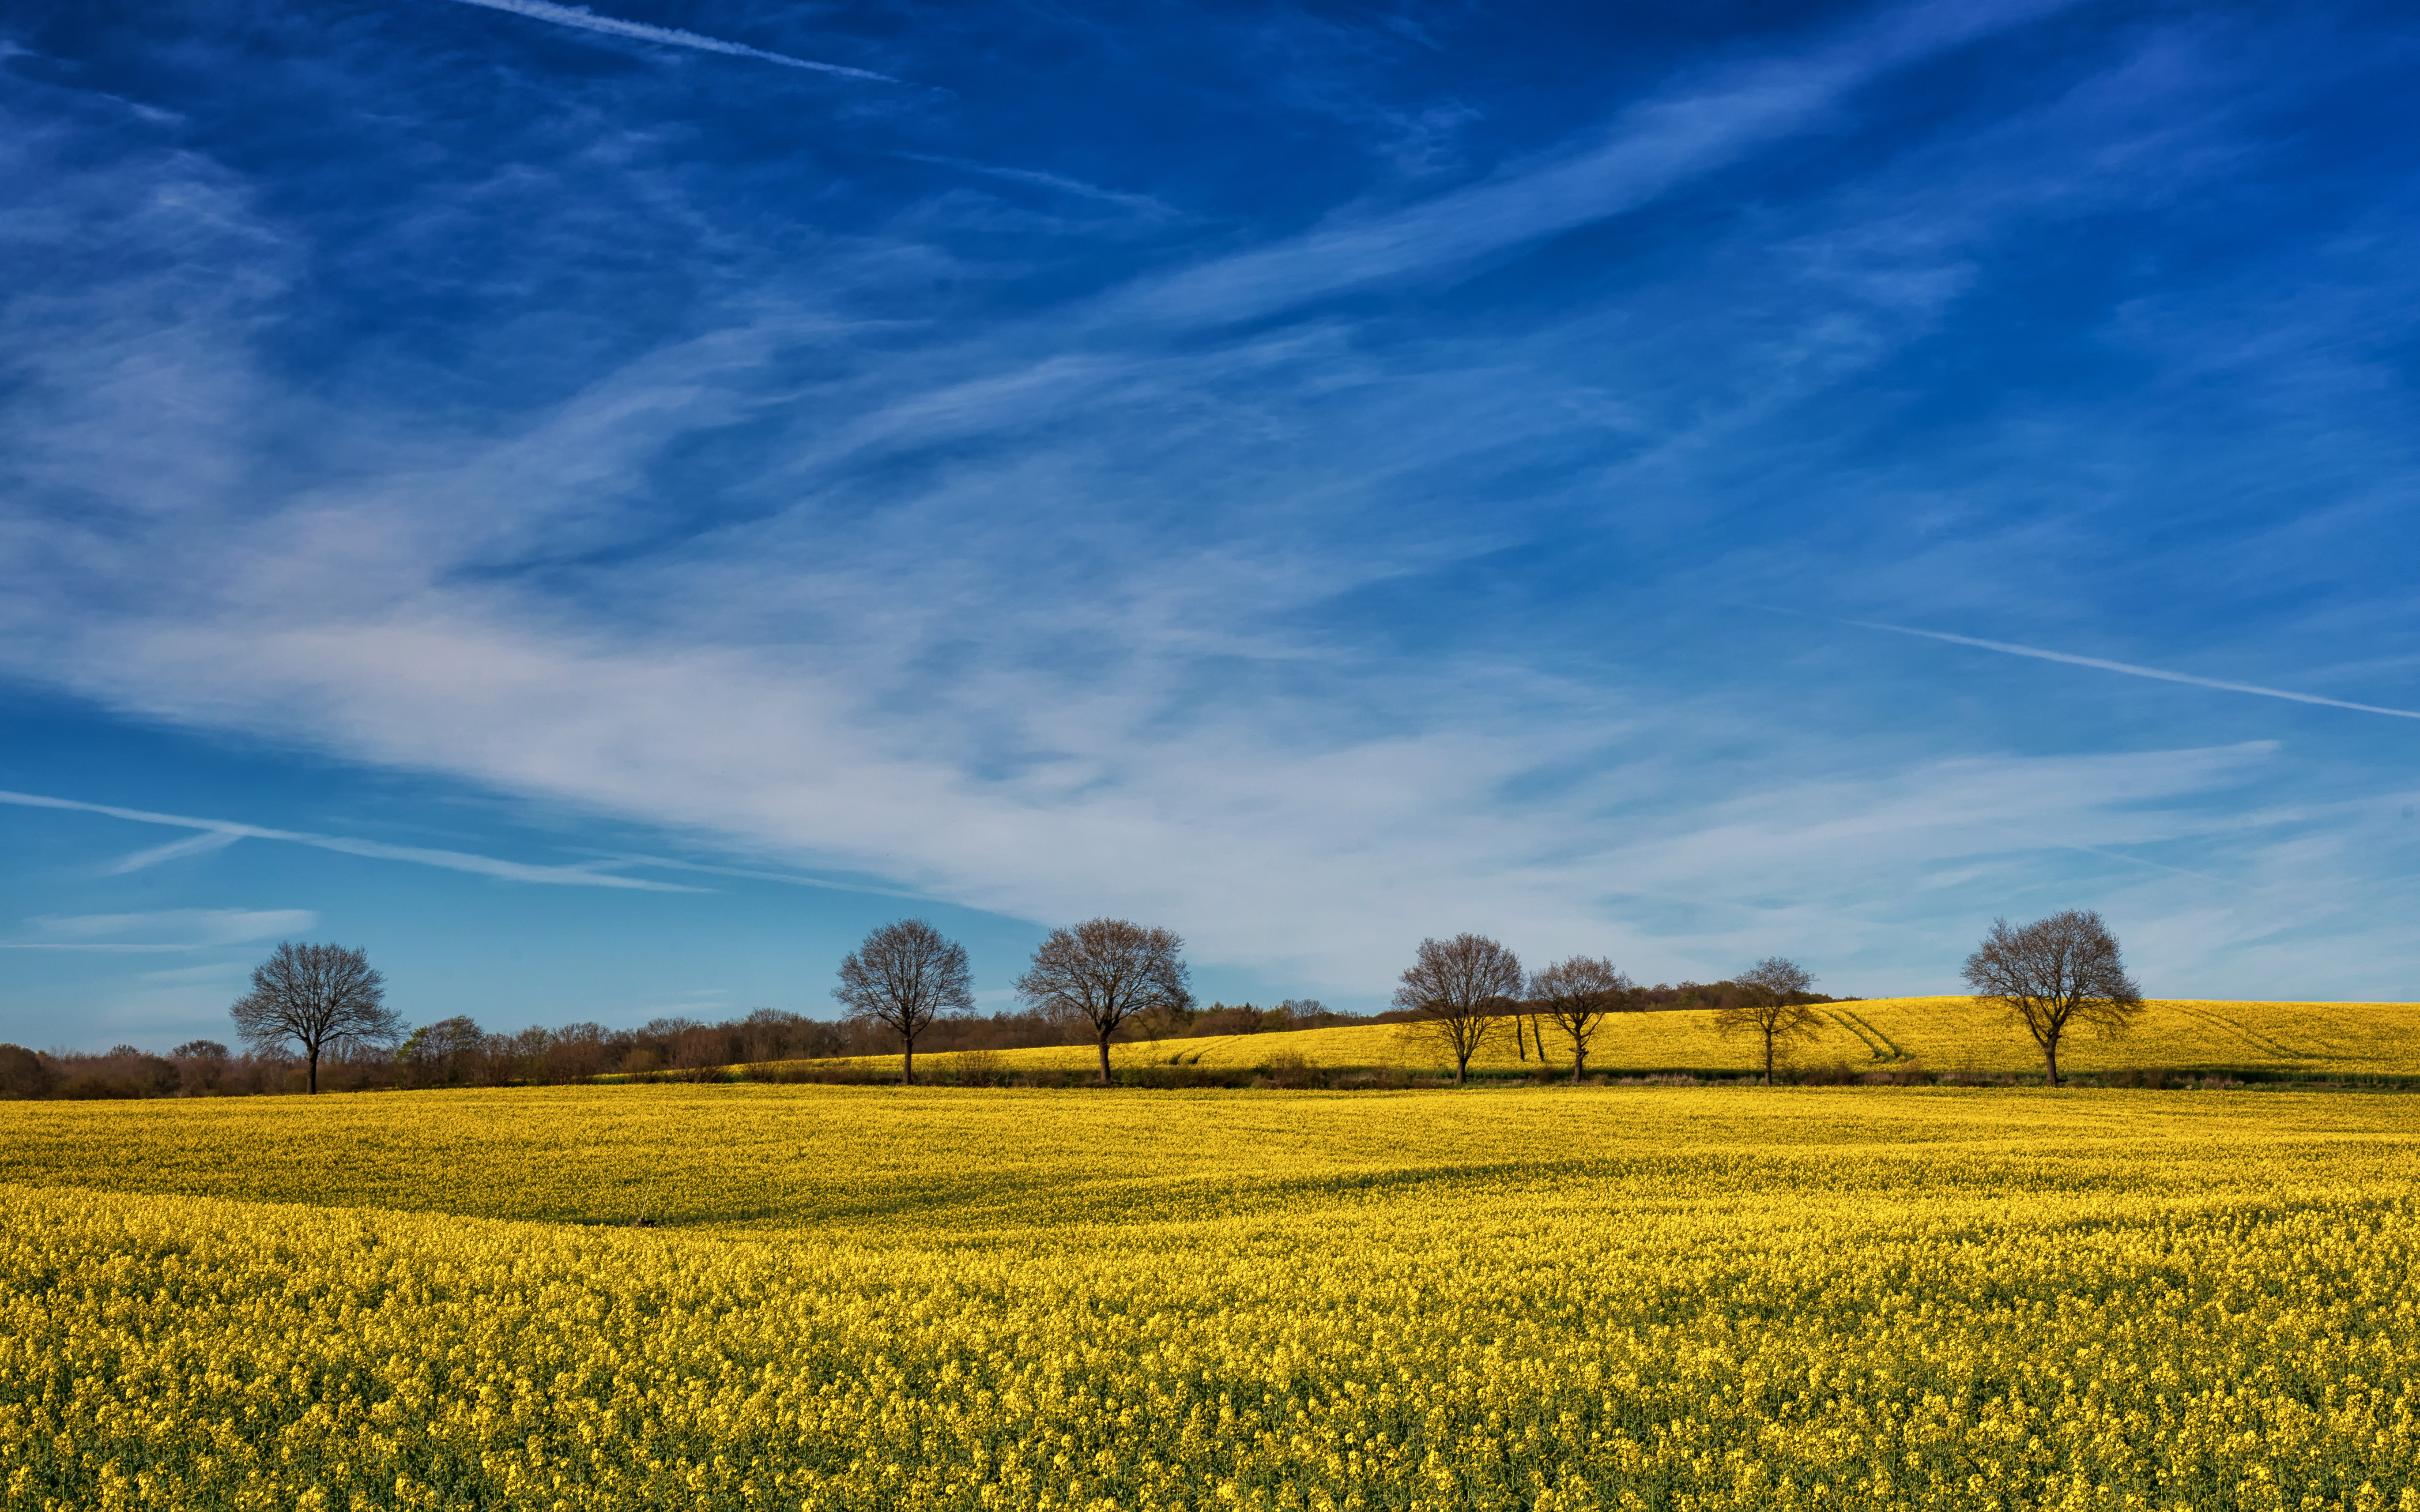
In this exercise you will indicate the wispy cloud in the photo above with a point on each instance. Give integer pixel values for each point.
(225, 832)
(1066, 599)
(99, 947)
(195, 928)
(206, 926)
(793, 879)
(1147, 204)
(586, 20)
(188, 976)
(2131, 670)
(201, 845)
(1673, 136)
(1075, 756)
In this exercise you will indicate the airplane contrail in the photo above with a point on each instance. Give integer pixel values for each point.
(574, 876)
(1045, 180)
(2010, 648)
(588, 19)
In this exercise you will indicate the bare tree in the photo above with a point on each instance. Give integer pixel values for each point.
(1577, 995)
(321, 996)
(1765, 1007)
(904, 975)
(1104, 972)
(2054, 973)
(1455, 989)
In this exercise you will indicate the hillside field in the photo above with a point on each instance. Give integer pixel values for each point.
(2303, 1041)
(861, 1297)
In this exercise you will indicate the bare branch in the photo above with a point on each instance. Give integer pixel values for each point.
(904, 976)
(2054, 974)
(1577, 995)
(1766, 1009)
(1455, 989)
(1104, 972)
(319, 996)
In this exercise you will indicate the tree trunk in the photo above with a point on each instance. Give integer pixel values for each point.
(314, 1071)
(1461, 1059)
(1768, 1058)
(2050, 1058)
(907, 1062)
(1580, 1058)
(1105, 1060)
(1521, 1042)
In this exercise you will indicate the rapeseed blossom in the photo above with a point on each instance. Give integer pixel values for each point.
(876, 1298)
(2304, 1040)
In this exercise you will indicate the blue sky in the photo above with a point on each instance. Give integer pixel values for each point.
(602, 507)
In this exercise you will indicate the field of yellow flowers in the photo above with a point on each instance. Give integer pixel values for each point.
(857, 1297)
(2306, 1041)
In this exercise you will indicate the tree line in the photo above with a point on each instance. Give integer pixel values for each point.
(2052, 978)
(1459, 993)
(908, 986)
(459, 1051)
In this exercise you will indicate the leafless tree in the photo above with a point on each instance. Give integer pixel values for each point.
(1455, 989)
(2053, 974)
(1577, 995)
(904, 976)
(321, 996)
(1764, 1006)
(1104, 972)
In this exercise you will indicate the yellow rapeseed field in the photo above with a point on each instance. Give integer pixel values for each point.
(865, 1297)
(1942, 1034)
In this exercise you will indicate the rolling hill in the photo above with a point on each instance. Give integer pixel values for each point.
(2296, 1041)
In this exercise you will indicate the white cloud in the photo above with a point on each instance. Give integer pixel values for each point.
(1664, 140)
(1063, 650)
(1146, 204)
(201, 845)
(184, 928)
(195, 975)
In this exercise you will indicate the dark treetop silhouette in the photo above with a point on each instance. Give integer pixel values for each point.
(904, 976)
(1454, 989)
(317, 996)
(1577, 995)
(1104, 972)
(1766, 1008)
(2056, 973)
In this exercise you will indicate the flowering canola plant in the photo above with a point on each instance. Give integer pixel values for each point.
(2310, 1041)
(870, 1297)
